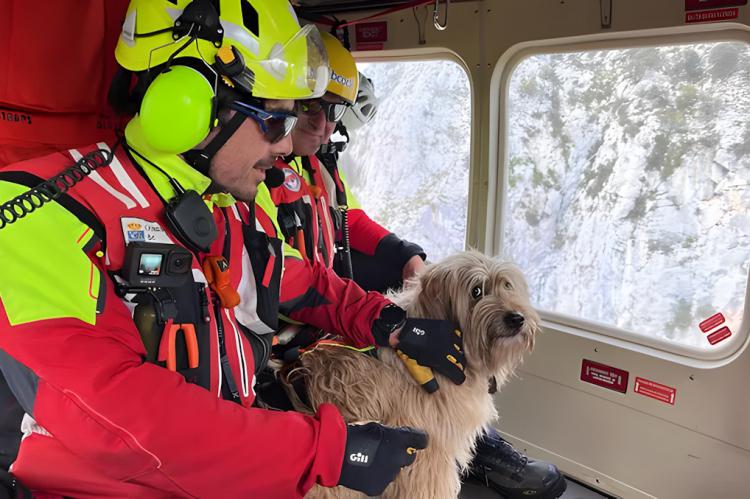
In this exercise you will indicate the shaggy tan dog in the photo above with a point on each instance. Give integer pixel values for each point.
(488, 300)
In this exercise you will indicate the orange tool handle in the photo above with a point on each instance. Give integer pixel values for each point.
(301, 243)
(216, 269)
(315, 191)
(191, 342)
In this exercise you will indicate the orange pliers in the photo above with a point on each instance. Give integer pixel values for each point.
(168, 351)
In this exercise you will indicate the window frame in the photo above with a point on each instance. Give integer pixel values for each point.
(498, 182)
(425, 54)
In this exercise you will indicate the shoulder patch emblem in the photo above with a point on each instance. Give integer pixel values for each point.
(291, 180)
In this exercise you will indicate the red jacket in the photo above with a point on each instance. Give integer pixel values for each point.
(106, 423)
(310, 194)
(309, 215)
(303, 212)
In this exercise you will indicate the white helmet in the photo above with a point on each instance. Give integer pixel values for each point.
(364, 109)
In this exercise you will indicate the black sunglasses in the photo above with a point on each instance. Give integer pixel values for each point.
(334, 111)
(275, 125)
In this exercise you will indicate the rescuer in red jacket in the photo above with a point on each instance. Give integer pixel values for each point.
(120, 333)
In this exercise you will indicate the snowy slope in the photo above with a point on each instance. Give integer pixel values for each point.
(410, 166)
(629, 185)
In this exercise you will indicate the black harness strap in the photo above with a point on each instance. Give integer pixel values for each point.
(200, 159)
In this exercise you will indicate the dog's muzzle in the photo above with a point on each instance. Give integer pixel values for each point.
(514, 320)
(512, 323)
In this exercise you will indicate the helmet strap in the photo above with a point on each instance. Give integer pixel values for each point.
(341, 130)
(200, 159)
(339, 146)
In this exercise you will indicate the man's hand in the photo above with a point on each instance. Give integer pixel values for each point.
(375, 454)
(434, 344)
(412, 267)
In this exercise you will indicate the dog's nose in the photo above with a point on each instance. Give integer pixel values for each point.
(513, 319)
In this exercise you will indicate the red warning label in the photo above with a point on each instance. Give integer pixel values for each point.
(605, 376)
(710, 16)
(720, 335)
(655, 390)
(371, 32)
(712, 322)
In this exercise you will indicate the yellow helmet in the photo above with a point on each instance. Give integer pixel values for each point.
(256, 45)
(344, 80)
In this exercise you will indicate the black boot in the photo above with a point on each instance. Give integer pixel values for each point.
(506, 471)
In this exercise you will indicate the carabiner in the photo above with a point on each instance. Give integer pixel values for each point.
(436, 15)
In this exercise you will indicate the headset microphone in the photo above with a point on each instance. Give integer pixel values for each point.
(274, 177)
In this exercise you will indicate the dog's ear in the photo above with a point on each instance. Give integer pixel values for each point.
(434, 300)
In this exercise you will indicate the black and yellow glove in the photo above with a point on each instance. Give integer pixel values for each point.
(423, 345)
(375, 454)
(433, 344)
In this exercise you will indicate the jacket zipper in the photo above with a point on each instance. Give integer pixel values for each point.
(240, 356)
(231, 386)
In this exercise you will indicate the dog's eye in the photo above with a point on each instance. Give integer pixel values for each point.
(476, 292)
(508, 285)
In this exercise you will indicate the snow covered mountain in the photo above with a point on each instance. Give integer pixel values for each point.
(409, 167)
(629, 185)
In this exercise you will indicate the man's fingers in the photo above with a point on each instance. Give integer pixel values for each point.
(413, 440)
(417, 439)
(454, 373)
(456, 360)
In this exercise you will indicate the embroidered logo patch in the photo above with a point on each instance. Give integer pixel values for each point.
(291, 180)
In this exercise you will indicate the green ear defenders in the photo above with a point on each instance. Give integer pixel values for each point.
(179, 107)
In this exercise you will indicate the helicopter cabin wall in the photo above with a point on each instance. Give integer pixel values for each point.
(676, 426)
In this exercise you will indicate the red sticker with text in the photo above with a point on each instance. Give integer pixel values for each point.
(720, 335)
(655, 390)
(712, 322)
(711, 16)
(604, 376)
(712, 4)
(371, 32)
